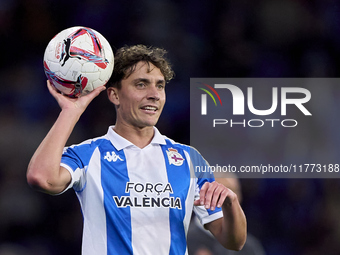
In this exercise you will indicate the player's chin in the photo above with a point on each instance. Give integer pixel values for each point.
(150, 122)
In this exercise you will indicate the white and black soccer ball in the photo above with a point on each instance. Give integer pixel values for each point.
(78, 60)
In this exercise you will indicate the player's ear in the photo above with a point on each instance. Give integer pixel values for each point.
(112, 94)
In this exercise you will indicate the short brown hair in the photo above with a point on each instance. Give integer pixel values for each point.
(127, 57)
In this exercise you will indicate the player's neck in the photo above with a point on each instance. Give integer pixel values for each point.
(141, 137)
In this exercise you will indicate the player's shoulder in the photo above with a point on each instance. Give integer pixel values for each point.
(89, 144)
(192, 151)
(194, 158)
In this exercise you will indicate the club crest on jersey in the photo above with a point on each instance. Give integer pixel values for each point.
(174, 157)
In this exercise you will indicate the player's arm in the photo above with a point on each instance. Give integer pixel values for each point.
(44, 171)
(231, 230)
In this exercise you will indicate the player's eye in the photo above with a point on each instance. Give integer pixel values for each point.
(161, 86)
(140, 85)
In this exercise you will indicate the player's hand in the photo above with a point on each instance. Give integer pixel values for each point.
(79, 103)
(214, 195)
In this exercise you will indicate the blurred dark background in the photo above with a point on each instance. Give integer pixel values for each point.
(254, 38)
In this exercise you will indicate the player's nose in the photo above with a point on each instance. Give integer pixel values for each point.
(153, 93)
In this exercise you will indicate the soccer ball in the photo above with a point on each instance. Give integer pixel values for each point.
(77, 60)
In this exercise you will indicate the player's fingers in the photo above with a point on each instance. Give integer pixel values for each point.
(209, 194)
(197, 202)
(94, 93)
(222, 197)
(218, 195)
(51, 88)
(98, 90)
(203, 191)
(53, 91)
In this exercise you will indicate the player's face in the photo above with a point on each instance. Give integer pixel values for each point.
(142, 96)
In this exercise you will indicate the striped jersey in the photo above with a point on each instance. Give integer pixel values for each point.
(133, 200)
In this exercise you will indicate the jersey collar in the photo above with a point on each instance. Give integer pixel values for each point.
(120, 142)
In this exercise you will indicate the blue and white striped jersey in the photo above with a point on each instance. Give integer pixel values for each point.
(136, 201)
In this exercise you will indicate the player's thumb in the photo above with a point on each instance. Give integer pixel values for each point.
(96, 91)
(197, 202)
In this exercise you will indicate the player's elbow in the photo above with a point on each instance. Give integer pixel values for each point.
(37, 180)
(236, 244)
(48, 179)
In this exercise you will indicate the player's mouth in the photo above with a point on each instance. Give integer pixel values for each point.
(149, 108)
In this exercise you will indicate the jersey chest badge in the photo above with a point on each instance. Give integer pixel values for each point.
(174, 157)
(112, 157)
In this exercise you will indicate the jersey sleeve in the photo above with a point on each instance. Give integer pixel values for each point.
(75, 159)
(200, 168)
(206, 215)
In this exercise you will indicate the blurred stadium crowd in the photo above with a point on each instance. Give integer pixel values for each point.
(254, 38)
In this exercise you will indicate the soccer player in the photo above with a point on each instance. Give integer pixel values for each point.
(136, 187)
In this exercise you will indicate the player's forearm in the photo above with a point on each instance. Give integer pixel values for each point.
(44, 168)
(234, 226)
